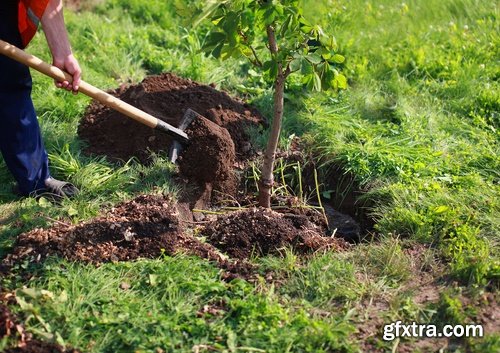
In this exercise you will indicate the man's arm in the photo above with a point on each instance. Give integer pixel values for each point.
(57, 38)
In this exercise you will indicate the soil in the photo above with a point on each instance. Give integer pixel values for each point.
(145, 227)
(209, 158)
(149, 226)
(261, 231)
(217, 139)
(166, 97)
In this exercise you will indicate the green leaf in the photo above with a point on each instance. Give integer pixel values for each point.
(279, 9)
(341, 81)
(269, 16)
(285, 26)
(218, 51)
(328, 42)
(308, 80)
(317, 82)
(214, 39)
(296, 64)
(314, 58)
(307, 68)
(441, 209)
(267, 65)
(337, 58)
(328, 79)
(305, 27)
(231, 22)
(325, 53)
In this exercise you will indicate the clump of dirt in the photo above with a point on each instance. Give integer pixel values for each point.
(209, 157)
(166, 97)
(149, 226)
(145, 227)
(258, 231)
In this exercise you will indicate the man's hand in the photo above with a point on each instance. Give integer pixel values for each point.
(57, 38)
(70, 65)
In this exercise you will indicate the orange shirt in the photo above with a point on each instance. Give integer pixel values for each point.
(29, 15)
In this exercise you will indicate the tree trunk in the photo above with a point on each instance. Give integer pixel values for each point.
(267, 178)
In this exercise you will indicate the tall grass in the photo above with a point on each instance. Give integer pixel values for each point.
(415, 126)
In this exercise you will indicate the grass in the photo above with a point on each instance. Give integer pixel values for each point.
(164, 303)
(418, 129)
(415, 128)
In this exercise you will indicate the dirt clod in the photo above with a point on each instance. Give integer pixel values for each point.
(143, 227)
(259, 231)
(210, 156)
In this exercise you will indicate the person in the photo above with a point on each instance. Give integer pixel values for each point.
(20, 140)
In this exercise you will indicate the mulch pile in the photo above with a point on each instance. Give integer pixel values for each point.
(258, 231)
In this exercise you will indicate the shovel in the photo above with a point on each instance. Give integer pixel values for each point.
(180, 137)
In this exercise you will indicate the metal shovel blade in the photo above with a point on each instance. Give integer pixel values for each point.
(176, 148)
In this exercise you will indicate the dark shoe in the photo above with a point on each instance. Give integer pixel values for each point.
(59, 189)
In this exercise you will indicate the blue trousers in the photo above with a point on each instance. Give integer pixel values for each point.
(20, 140)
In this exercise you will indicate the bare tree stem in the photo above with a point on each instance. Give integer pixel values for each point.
(267, 178)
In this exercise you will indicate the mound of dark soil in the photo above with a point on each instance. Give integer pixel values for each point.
(210, 156)
(258, 231)
(145, 227)
(166, 97)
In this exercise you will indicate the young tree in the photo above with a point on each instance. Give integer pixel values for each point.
(277, 39)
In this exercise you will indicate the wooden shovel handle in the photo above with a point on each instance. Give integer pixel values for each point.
(105, 98)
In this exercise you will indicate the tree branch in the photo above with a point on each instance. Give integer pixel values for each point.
(288, 71)
(257, 60)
